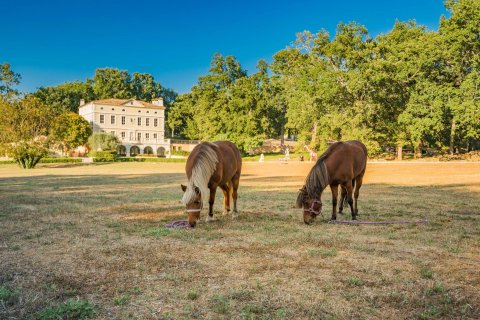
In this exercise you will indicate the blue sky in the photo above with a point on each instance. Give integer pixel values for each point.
(52, 42)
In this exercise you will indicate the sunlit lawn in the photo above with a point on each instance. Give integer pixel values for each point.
(95, 234)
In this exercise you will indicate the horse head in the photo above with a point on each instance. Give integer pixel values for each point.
(194, 205)
(312, 206)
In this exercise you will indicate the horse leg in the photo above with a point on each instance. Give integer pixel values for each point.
(349, 187)
(211, 200)
(235, 183)
(334, 189)
(358, 184)
(343, 196)
(226, 198)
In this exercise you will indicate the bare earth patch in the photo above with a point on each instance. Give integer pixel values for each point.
(96, 233)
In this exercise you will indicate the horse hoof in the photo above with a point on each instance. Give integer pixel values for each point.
(209, 219)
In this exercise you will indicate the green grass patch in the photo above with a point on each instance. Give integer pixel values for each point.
(72, 309)
(322, 252)
(221, 304)
(193, 294)
(437, 288)
(353, 281)
(159, 232)
(121, 300)
(8, 295)
(427, 273)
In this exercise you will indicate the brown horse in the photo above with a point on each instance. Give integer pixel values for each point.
(211, 165)
(343, 164)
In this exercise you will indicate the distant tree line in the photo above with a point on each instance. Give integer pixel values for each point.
(409, 87)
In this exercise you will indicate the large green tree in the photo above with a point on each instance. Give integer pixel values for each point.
(66, 97)
(70, 130)
(228, 104)
(24, 129)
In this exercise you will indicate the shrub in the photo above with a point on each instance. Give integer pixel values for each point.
(181, 153)
(27, 154)
(60, 160)
(103, 156)
(103, 141)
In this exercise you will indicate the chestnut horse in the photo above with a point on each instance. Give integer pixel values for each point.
(211, 165)
(343, 164)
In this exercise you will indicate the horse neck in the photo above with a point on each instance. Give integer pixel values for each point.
(317, 179)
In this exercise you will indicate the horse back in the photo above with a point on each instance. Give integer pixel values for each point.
(345, 160)
(230, 160)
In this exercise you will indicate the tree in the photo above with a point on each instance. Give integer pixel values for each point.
(103, 142)
(66, 97)
(24, 130)
(228, 104)
(70, 130)
(460, 34)
(8, 79)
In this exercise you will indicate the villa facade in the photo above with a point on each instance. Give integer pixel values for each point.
(139, 125)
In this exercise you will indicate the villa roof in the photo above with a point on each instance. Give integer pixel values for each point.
(123, 102)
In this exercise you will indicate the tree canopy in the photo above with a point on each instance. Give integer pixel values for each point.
(410, 86)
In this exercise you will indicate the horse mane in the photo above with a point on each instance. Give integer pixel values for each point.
(204, 165)
(317, 178)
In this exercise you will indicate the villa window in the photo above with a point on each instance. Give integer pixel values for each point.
(147, 122)
(112, 119)
(155, 136)
(123, 120)
(102, 118)
(139, 121)
(155, 122)
(131, 136)
(123, 135)
(139, 135)
(147, 136)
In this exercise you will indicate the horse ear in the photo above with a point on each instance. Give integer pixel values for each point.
(184, 188)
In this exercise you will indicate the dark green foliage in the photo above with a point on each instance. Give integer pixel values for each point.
(66, 97)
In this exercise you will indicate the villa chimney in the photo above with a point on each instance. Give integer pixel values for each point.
(158, 102)
(82, 102)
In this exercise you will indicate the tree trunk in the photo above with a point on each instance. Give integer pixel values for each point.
(399, 153)
(452, 136)
(418, 151)
(282, 136)
(314, 135)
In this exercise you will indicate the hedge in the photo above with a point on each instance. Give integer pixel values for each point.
(48, 160)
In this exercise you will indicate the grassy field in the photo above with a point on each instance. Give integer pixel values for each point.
(88, 240)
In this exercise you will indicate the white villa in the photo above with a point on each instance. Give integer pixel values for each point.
(139, 125)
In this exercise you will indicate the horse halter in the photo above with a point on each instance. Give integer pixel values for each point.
(311, 210)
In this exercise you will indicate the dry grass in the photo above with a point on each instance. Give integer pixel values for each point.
(96, 233)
